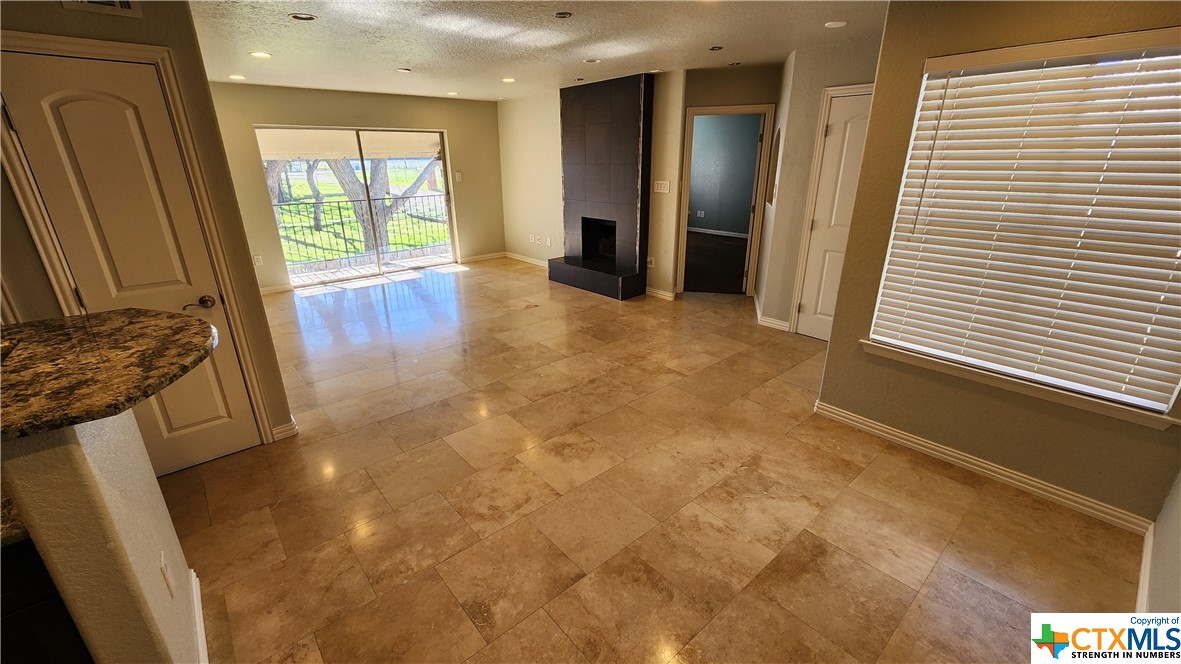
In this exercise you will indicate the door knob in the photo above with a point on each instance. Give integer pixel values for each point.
(205, 301)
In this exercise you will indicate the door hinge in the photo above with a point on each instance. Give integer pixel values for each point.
(827, 129)
(8, 119)
(800, 307)
(78, 294)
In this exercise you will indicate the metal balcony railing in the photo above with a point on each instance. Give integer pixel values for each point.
(320, 236)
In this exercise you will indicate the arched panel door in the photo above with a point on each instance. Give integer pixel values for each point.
(99, 139)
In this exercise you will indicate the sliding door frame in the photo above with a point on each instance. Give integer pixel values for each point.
(444, 158)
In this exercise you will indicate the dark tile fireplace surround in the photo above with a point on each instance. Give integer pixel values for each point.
(606, 165)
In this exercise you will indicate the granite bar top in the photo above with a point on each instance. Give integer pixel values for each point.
(72, 370)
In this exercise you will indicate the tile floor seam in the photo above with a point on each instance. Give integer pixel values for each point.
(563, 629)
(458, 603)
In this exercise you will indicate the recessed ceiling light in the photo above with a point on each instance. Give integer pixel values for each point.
(715, 48)
(237, 77)
(836, 24)
(452, 94)
(509, 80)
(655, 71)
(563, 15)
(403, 70)
(735, 64)
(592, 61)
(300, 16)
(260, 54)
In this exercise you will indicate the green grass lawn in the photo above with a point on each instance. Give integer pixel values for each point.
(341, 238)
(330, 188)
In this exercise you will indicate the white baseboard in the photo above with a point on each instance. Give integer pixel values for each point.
(765, 321)
(662, 294)
(481, 257)
(267, 290)
(526, 259)
(199, 616)
(1145, 572)
(1040, 488)
(285, 430)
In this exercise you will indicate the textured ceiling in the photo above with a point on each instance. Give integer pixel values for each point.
(468, 47)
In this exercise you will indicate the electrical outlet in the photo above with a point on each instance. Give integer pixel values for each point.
(660, 186)
(532, 238)
(459, 176)
(651, 262)
(257, 260)
(700, 213)
(548, 241)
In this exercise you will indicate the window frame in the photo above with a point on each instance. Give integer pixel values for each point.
(1116, 43)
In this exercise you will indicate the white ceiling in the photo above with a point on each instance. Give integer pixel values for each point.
(468, 47)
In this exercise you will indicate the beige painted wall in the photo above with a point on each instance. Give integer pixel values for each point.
(20, 266)
(805, 75)
(733, 86)
(531, 174)
(170, 24)
(472, 142)
(668, 138)
(1164, 590)
(1122, 464)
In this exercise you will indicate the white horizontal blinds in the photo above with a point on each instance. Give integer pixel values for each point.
(1038, 231)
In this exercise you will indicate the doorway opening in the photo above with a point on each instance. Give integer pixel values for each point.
(357, 203)
(724, 175)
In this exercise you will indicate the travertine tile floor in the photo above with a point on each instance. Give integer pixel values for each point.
(495, 468)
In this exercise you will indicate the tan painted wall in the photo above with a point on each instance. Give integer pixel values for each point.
(805, 75)
(733, 86)
(1164, 590)
(20, 266)
(1122, 464)
(531, 174)
(472, 138)
(170, 24)
(668, 139)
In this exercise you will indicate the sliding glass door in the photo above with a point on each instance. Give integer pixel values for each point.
(351, 203)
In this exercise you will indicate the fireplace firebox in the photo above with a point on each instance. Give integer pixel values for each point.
(598, 240)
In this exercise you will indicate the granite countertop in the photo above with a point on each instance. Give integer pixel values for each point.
(72, 370)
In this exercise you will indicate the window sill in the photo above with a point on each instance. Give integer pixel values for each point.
(1127, 413)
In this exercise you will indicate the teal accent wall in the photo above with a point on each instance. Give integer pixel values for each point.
(724, 164)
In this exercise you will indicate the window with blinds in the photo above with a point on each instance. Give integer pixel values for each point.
(1038, 230)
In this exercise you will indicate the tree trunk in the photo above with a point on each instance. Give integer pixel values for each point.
(358, 196)
(384, 205)
(310, 167)
(271, 170)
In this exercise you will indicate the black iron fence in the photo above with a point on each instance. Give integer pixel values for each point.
(331, 234)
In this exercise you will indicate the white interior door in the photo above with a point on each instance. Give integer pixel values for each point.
(99, 138)
(836, 186)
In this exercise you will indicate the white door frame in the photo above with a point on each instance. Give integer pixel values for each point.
(37, 217)
(797, 291)
(760, 192)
